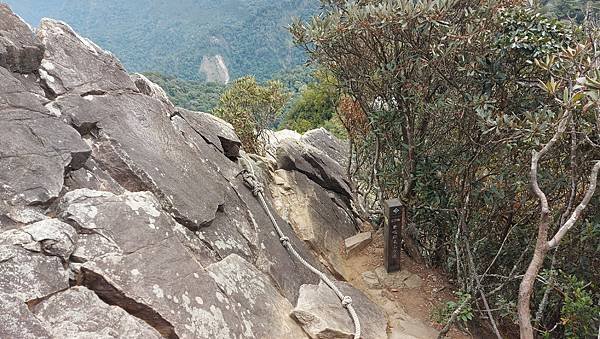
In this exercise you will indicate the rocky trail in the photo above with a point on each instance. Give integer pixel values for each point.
(123, 216)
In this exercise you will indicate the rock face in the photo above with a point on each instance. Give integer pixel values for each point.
(123, 216)
(311, 191)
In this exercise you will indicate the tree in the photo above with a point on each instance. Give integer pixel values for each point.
(441, 102)
(315, 106)
(252, 108)
(577, 93)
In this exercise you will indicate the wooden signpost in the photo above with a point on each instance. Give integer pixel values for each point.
(394, 212)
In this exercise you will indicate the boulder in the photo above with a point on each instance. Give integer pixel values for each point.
(54, 236)
(295, 155)
(76, 65)
(20, 50)
(147, 87)
(214, 130)
(329, 144)
(322, 315)
(79, 313)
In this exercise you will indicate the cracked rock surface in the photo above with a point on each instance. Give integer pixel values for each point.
(122, 216)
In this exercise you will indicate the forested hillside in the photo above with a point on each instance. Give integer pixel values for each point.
(172, 37)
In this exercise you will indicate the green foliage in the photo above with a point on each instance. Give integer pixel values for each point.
(294, 79)
(252, 108)
(580, 314)
(314, 106)
(443, 313)
(532, 34)
(189, 94)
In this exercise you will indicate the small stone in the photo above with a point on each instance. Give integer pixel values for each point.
(414, 281)
(371, 279)
(387, 294)
(394, 279)
(356, 243)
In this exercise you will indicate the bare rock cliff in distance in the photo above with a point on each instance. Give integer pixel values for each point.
(122, 216)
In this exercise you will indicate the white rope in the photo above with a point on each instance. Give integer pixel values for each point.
(258, 191)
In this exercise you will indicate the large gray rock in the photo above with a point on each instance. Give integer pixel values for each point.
(322, 316)
(329, 144)
(79, 313)
(295, 155)
(75, 64)
(147, 270)
(16, 321)
(20, 50)
(214, 130)
(35, 151)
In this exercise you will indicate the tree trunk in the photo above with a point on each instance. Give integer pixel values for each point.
(526, 287)
(408, 238)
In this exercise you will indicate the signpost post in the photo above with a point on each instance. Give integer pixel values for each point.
(394, 212)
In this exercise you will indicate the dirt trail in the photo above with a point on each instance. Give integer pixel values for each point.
(408, 297)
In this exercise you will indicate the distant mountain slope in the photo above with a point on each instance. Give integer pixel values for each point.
(173, 37)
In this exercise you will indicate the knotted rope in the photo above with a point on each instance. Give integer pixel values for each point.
(258, 190)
